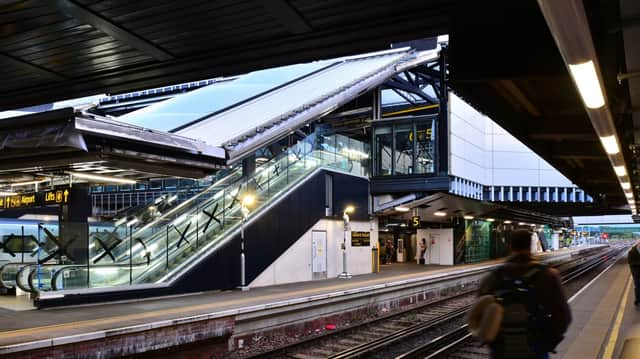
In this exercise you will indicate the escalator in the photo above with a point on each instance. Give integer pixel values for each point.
(161, 253)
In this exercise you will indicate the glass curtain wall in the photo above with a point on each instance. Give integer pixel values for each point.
(404, 148)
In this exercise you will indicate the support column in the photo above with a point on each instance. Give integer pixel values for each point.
(442, 138)
(249, 166)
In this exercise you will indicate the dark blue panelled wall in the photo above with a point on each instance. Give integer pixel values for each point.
(266, 239)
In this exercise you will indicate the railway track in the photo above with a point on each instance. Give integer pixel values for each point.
(458, 343)
(428, 331)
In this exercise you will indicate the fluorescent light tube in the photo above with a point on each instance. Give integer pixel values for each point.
(439, 213)
(588, 84)
(625, 185)
(468, 217)
(402, 209)
(620, 170)
(610, 144)
(100, 178)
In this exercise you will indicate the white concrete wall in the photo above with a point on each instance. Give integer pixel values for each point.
(483, 152)
(440, 252)
(611, 219)
(294, 265)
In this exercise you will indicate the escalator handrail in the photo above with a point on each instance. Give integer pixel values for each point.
(3, 284)
(19, 274)
(66, 267)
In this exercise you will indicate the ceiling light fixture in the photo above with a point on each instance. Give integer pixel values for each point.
(507, 222)
(610, 144)
(628, 194)
(620, 170)
(402, 209)
(27, 183)
(101, 178)
(586, 79)
(439, 213)
(468, 217)
(4, 193)
(625, 185)
(490, 219)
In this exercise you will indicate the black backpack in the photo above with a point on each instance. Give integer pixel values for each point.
(524, 328)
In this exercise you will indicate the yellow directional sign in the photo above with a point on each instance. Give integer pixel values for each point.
(56, 196)
(18, 201)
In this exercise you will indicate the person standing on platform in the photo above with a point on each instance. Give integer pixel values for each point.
(524, 286)
(422, 248)
(389, 251)
(633, 258)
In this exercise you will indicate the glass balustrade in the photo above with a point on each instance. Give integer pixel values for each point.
(156, 251)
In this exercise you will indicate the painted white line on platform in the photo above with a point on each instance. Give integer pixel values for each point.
(573, 297)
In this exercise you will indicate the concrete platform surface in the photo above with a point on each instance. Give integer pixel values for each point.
(603, 317)
(18, 327)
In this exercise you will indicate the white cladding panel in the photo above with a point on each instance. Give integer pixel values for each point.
(483, 152)
(439, 245)
(295, 264)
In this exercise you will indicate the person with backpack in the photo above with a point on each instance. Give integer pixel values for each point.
(633, 258)
(522, 311)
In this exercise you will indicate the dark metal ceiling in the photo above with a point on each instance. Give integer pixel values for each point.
(503, 58)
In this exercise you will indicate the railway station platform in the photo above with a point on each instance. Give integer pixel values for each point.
(606, 322)
(123, 328)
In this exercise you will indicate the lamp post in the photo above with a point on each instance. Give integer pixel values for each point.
(345, 218)
(246, 202)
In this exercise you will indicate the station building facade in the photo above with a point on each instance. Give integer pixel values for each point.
(358, 158)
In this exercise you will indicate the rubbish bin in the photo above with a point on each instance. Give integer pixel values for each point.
(375, 260)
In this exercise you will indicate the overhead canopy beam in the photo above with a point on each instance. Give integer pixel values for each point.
(286, 15)
(29, 67)
(87, 16)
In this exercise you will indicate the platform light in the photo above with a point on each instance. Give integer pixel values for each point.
(625, 185)
(402, 209)
(248, 200)
(610, 144)
(4, 193)
(101, 178)
(620, 170)
(27, 183)
(490, 219)
(586, 79)
(507, 222)
(628, 194)
(521, 224)
(468, 217)
(439, 213)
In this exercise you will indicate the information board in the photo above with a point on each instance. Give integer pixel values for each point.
(22, 200)
(33, 199)
(360, 239)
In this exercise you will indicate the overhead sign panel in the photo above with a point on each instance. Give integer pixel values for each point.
(34, 199)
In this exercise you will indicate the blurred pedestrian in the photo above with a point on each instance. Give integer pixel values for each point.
(534, 309)
(633, 258)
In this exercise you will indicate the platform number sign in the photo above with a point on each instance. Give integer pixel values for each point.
(415, 221)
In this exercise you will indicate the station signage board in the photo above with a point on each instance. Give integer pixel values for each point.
(360, 239)
(57, 196)
(22, 200)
